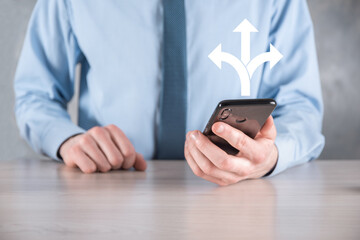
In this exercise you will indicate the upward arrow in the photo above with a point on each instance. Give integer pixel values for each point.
(218, 56)
(245, 28)
(274, 56)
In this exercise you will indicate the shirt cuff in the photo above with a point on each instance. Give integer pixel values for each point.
(286, 148)
(56, 134)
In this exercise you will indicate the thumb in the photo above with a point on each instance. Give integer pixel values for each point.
(268, 130)
(140, 163)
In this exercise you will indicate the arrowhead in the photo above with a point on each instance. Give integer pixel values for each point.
(215, 56)
(245, 26)
(276, 56)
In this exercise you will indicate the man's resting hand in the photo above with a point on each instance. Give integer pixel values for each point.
(101, 149)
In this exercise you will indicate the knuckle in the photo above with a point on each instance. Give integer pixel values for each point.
(198, 172)
(97, 130)
(128, 152)
(201, 144)
(232, 180)
(85, 165)
(226, 182)
(241, 141)
(116, 162)
(207, 169)
(69, 161)
(225, 164)
(92, 168)
(245, 172)
(188, 135)
(74, 150)
(85, 140)
(261, 157)
(89, 169)
(71, 151)
(105, 168)
(116, 166)
(111, 127)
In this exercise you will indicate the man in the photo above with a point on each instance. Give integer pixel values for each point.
(146, 80)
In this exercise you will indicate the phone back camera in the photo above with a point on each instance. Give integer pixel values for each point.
(225, 114)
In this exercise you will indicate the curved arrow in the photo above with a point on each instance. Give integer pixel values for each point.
(218, 56)
(245, 28)
(274, 56)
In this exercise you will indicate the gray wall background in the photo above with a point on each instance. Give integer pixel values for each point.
(337, 29)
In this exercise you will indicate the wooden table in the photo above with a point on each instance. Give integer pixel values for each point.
(42, 199)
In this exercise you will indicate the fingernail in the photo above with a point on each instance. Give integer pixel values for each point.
(219, 129)
(194, 135)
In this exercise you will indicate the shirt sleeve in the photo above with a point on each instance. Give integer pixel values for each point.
(295, 84)
(44, 80)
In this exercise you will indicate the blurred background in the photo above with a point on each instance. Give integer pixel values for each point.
(337, 30)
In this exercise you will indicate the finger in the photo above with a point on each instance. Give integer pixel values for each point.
(140, 163)
(124, 144)
(82, 161)
(104, 141)
(234, 137)
(197, 171)
(209, 168)
(239, 165)
(268, 130)
(90, 147)
(69, 159)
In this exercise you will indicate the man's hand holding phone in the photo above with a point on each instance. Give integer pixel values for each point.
(256, 156)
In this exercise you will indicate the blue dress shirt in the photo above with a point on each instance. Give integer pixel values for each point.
(118, 43)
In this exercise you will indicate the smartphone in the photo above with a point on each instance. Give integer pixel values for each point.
(247, 115)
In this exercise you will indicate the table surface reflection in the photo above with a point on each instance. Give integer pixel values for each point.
(43, 199)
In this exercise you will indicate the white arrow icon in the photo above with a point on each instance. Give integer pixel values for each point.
(245, 68)
(274, 56)
(245, 28)
(218, 56)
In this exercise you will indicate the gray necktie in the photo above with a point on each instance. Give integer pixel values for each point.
(173, 98)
